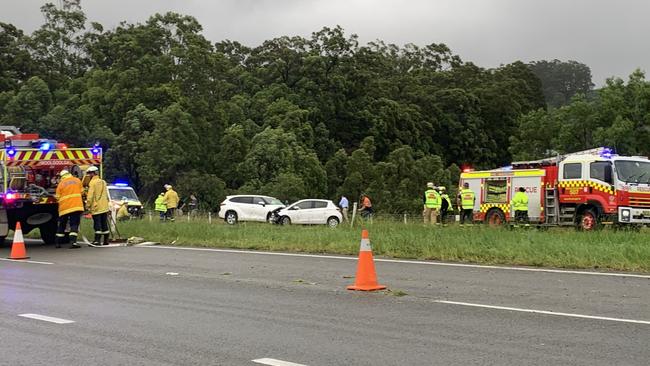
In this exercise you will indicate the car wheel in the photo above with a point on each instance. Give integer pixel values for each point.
(231, 217)
(285, 220)
(269, 218)
(332, 222)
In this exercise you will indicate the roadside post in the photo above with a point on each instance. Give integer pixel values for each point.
(354, 213)
(209, 217)
(188, 217)
(404, 218)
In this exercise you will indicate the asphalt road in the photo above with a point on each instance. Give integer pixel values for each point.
(157, 306)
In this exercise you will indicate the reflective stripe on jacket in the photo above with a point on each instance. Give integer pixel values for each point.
(432, 199)
(520, 201)
(467, 197)
(97, 200)
(68, 193)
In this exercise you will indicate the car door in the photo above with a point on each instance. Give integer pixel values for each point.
(302, 214)
(245, 206)
(318, 214)
(259, 209)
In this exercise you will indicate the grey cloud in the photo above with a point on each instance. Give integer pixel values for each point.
(606, 35)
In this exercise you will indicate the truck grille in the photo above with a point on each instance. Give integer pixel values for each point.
(640, 202)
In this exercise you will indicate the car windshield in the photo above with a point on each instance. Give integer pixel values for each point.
(633, 171)
(121, 193)
(273, 201)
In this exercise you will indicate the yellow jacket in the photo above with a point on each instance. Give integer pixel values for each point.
(123, 211)
(68, 193)
(171, 199)
(97, 198)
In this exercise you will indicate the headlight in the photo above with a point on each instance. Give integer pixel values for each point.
(625, 215)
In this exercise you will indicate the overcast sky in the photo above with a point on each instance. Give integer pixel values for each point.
(610, 36)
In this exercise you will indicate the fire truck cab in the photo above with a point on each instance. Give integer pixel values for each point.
(583, 189)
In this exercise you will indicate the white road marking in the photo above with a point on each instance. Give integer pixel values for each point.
(24, 261)
(546, 312)
(47, 318)
(406, 261)
(274, 362)
(172, 273)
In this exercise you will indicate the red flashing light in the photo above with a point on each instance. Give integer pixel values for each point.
(61, 146)
(10, 196)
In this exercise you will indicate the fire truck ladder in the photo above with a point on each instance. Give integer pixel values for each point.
(550, 206)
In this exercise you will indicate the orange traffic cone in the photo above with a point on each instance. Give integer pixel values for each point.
(366, 279)
(18, 250)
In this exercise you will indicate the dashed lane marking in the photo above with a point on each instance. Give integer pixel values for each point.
(274, 362)
(24, 261)
(404, 261)
(46, 318)
(545, 312)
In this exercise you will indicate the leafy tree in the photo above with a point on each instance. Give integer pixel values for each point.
(561, 80)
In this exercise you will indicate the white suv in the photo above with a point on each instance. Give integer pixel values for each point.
(248, 208)
(309, 211)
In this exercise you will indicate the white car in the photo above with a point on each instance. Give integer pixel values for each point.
(310, 211)
(248, 207)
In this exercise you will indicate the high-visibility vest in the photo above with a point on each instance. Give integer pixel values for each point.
(160, 204)
(467, 199)
(520, 201)
(432, 199)
(68, 193)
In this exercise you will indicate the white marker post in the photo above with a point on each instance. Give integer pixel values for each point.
(209, 217)
(354, 213)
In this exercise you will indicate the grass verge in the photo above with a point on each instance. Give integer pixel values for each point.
(555, 247)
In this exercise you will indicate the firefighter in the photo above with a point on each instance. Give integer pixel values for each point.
(445, 205)
(123, 211)
(520, 206)
(97, 202)
(171, 202)
(159, 206)
(467, 199)
(71, 206)
(431, 204)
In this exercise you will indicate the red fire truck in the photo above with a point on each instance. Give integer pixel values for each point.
(29, 174)
(583, 189)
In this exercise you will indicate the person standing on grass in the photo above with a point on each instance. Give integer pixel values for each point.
(171, 202)
(467, 199)
(366, 207)
(344, 204)
(193, 204)
(520, 205)
(159, 206)
(431, 204)
(97, 202)
(445, 205)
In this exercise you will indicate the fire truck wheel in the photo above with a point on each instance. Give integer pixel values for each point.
(588, 220)
(2, 240)
(48, 232)
(495, 217)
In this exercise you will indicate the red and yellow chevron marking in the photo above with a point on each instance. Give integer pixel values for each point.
(585, 183)
(503, 206)
(33, 157)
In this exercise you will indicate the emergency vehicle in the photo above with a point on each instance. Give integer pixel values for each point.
(29, 174)
(583, 189)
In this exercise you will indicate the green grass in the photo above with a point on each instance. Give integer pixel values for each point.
(555, 247)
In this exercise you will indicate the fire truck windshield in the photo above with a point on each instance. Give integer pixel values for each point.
(630, 171)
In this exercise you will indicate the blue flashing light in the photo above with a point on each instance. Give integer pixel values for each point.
(45, 146)
(606, 153)
(508, 167)
(11, 152)
(96, 150)
(121, 184)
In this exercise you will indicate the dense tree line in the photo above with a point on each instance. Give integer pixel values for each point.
(293, 117)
